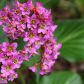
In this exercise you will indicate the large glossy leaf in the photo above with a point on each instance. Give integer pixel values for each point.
(71, 34)
(64, 77)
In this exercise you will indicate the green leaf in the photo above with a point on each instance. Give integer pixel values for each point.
(71, 34)
(31, 62)
(2, 3)
(21, 43)
(3, 37)
(22, 1)
(63, 77)
(50, 3)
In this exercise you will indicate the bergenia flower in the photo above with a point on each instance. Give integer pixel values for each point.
(34, 24)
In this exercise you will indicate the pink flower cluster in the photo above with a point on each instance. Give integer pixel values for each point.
(10, 60)
(34, 24)
(49, 55)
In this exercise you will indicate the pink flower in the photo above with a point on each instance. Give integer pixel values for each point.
(31, 49)
(43, 12)
(7, 68)
(34, 21)
(12, 76)
(9, 48)
(1, 23)
(21, 23)
(17, 61)
(30, 37)
(24, 55)
(25, 8)
(42, 72)
(33, 68)
(42, 28)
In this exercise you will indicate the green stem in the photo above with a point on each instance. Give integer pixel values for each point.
(21, 77)
(37, 78)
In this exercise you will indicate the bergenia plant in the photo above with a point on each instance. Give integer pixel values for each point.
(34, 24)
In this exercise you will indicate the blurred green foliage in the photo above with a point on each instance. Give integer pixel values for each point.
(3, 3)
(71, 34)
(61, 77)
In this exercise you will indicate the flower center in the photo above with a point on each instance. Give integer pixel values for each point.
(9, 25)
(17, 11)
(21, 21)
(37, 42)
(15, 61)
(6, 57)
(0, 51)
(7, 68)
(30, 47)
(42, 26)
(31, 35)
(33, 21)
(2, 18)
(9, 49)
(25, 9)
